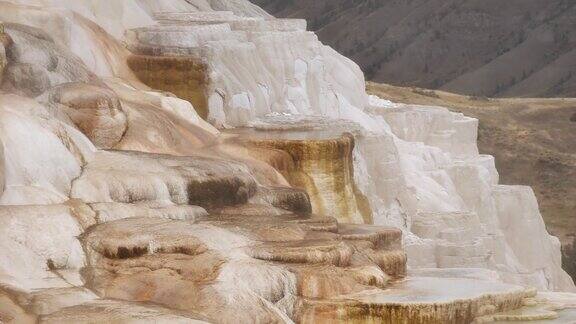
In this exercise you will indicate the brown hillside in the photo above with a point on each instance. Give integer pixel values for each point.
(494, 48)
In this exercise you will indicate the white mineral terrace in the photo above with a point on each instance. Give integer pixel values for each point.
(298, 199)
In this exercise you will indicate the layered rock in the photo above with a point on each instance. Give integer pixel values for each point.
(120, 203)
(93, 109)
(37, 63)
(254, 66)
(398, 305)
(4, 42)
(316, 159)
(466, 226)
(184, 77)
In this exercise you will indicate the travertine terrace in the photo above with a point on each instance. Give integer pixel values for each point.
(201, 161)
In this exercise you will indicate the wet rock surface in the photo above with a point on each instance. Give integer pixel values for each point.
(418, 300)
(184, 77)
(321, 166)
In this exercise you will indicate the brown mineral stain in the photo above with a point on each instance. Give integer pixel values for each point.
(185, 77)
(324, 169)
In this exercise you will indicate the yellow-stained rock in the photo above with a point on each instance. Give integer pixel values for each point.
(324, 168)
(4, 42)
(185, 77)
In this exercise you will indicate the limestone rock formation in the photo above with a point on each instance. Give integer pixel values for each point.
(4, 42)
(94, 110)
(317, 160)
(298, 199)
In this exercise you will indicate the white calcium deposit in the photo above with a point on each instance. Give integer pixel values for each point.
(418, 166)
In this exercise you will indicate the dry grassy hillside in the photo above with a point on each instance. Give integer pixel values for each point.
(534, 142)
(493, 48)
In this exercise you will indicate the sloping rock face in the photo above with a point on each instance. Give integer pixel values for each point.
(316, 159)
(93, 109)
(120, 203)
(185, 77)
(4, 42)
(254, 66)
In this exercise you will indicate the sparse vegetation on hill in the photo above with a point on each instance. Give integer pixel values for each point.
(514, 48)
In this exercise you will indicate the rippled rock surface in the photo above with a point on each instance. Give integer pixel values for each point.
(201, 161)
